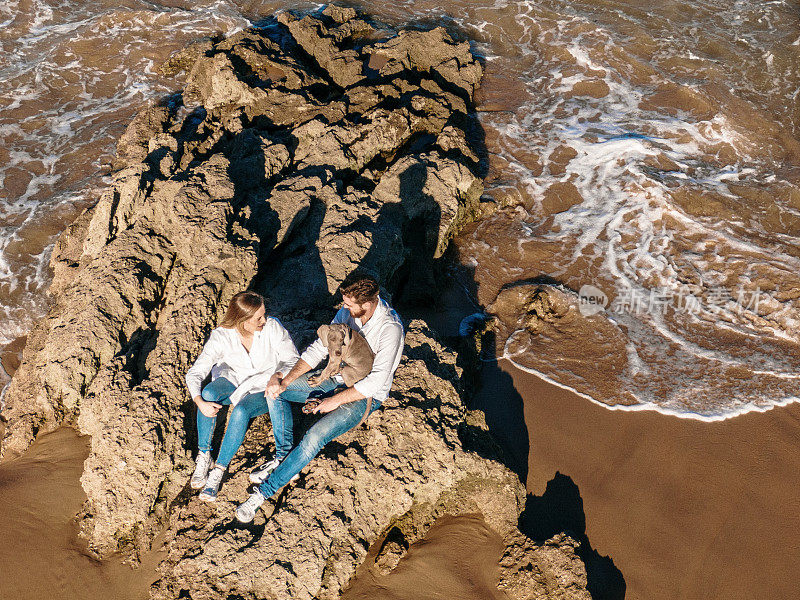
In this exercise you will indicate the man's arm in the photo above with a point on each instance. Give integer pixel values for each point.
(277, 386)
(350, 394)
(310, 358)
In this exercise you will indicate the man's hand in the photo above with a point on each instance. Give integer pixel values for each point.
(327, 405)
(275, 387)
(209, 409)
(335, 401)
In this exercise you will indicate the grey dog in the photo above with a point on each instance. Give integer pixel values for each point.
(345, 347)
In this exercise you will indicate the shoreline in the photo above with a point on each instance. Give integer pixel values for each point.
(667, 412)
(685, 509)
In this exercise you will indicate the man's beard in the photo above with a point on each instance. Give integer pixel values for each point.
(357, 313)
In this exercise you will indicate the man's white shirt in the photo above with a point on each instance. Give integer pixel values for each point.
(384, 334)
(272, 351)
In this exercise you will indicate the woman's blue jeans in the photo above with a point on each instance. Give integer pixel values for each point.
(250, 406)
(330, 426)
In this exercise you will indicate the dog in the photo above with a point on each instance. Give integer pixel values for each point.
(345, 346)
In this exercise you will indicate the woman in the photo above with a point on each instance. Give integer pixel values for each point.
(245, 354)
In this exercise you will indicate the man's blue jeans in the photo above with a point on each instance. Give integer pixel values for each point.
(250, 406)
(330, 426)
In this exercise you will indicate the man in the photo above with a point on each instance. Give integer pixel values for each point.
(364, 311)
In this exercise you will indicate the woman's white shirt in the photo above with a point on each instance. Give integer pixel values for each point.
(224, 355)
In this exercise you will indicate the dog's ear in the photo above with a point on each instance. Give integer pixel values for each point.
(348, 335)
(322, 333)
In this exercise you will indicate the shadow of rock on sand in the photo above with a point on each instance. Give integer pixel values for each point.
(560, 509)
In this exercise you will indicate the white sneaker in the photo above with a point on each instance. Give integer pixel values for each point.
(201, 467)
(246, 511)
(260, 474)
(209, 493)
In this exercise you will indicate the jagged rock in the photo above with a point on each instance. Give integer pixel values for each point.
(293, 163)
(184, 60)
(552, 570)
(432, 52)
(342, 66)
(403, 470)
(132, 146)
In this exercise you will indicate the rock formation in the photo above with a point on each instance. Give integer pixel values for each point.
(297, 152)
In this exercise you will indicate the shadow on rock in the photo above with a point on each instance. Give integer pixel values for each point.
(503, 406)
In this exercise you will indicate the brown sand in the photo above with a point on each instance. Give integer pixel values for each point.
(457, 559)
(41, 556)
(11, 355)
(685, 509)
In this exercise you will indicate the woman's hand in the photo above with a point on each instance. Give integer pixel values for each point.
(209, 409)
(275, 387)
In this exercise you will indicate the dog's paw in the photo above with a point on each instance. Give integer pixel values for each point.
(310, 405)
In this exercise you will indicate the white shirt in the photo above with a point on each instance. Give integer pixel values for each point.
(384, 334)
(272, 351)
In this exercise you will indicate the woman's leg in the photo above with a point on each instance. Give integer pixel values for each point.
(248, 407)
(330, 426)
(218, 391)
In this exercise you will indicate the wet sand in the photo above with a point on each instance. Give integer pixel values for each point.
(40, 554)
(685, 509)
(458, 558)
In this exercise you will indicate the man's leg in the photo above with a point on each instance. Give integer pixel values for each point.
(280, 411)
(330, 426)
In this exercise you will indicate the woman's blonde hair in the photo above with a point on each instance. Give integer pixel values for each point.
(243, 306)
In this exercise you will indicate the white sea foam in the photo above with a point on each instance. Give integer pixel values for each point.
(621, 224)
(680, 413)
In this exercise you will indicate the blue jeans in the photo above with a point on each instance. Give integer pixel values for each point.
(218, 391)
(330, 426)
(250, 406)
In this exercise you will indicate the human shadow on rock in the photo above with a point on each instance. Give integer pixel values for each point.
(404, 239)
(289, 269)
(560, 509)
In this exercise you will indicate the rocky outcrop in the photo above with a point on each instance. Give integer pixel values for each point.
(551, 570)
(383, 484)
(297, 152)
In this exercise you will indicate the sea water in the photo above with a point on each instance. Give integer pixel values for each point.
(647, 154)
